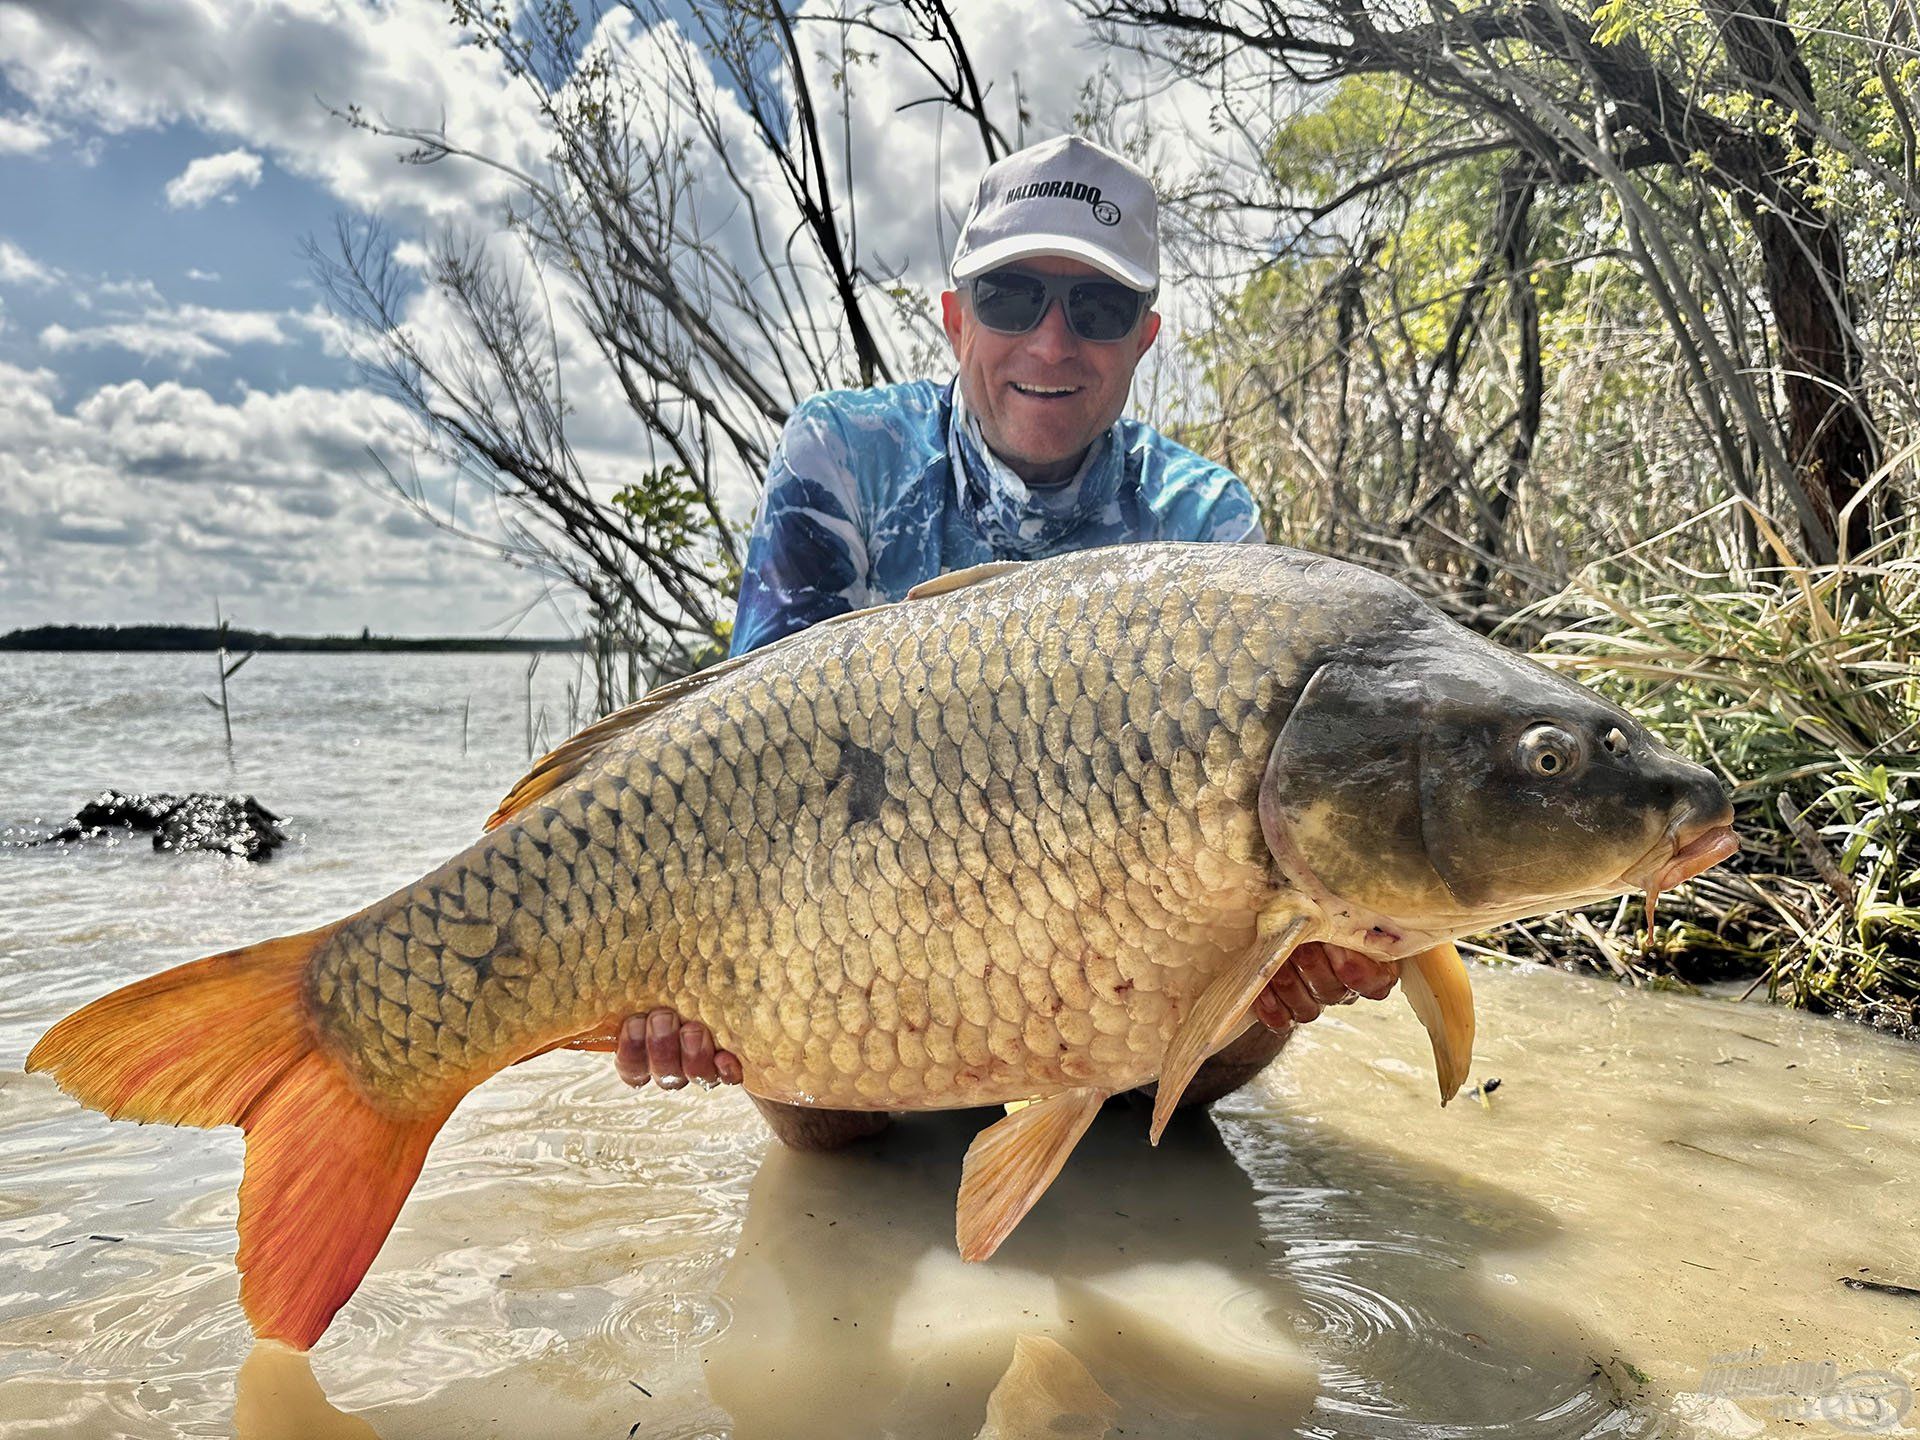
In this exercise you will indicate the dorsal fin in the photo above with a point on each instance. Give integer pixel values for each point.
(560, 765)
(961, 579)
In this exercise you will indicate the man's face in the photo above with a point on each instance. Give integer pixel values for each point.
(1042, 436)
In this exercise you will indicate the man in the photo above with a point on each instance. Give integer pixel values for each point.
(1025, 455)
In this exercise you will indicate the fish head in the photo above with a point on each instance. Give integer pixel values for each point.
(1432, 784)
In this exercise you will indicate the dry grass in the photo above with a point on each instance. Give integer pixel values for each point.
(1799, 684)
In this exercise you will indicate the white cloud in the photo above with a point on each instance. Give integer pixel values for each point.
(213, 177)
(151, 342)
(24, 135)
(140, 500)
(19, 268)
(184, 334)
(206, 277)
(336, 337)
(230, 327)
(136, 289)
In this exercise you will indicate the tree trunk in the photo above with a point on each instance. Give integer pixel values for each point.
(1517, 189)
(1830, 438)
(1830, 434)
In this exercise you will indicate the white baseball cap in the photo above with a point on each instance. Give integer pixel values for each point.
(1066, 197)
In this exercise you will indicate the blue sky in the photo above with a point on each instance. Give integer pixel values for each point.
(178, 420)
(106, 221)
(177, 417)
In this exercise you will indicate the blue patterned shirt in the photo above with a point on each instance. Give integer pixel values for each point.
(872, 491)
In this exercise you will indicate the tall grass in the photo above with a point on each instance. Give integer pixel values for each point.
(1799, 684)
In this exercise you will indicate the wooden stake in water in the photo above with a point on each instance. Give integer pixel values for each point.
(532, 665)
(225, 672)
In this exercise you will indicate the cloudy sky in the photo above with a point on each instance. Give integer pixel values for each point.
(177, 418)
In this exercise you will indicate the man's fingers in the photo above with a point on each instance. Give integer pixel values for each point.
(1271, 1013)
(696, 1052)
(630, 1055)
(1362, 973)
(663, 1049)
(1291, 992)
(658, 1047)
(1315, 969)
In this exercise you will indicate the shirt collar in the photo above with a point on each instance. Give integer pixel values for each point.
(1018, 519)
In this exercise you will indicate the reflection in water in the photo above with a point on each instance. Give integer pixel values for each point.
(276, 1397)
(1046, 1392)
(1203, 1306)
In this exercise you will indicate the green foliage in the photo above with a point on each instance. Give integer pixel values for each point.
(664, 505)
(676, 517)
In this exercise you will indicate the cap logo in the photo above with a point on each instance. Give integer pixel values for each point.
(1105, 211)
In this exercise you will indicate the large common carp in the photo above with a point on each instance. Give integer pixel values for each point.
(1036, 833)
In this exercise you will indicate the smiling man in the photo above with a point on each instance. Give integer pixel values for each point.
(1025, 454)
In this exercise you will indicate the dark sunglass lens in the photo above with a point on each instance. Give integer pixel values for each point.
(1008, 301)
(1102, 310)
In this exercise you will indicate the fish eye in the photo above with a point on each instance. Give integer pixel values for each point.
(1549, 751)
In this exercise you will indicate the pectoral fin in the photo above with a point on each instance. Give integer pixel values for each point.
(1436, 985)
(1011, 1163)
(1223, 1005)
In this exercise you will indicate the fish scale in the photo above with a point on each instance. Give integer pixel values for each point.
(877, 865)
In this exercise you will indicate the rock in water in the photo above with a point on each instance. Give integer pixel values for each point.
(232, 825)
(111, 809)
(240, 826)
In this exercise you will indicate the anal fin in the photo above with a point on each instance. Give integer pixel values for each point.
(1223, 1005)
(1012, 1162)
(1436, 985)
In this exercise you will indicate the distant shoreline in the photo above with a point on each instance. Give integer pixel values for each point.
(206, 638)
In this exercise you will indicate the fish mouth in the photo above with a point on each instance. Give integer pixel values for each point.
(1698, 845)
(1703, 851)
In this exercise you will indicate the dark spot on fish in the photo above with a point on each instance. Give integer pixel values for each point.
(862, 780)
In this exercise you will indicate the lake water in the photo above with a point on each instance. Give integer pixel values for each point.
(1647, 1230)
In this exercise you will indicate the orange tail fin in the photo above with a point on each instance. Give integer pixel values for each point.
(228, 1041)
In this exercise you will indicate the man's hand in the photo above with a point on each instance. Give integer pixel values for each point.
(659, 1047)
(1320, 975)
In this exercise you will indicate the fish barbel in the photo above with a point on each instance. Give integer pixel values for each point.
(1036, 833)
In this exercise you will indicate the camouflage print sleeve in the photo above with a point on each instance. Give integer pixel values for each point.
(807, 556)
(1198, 500)
(1234, 518)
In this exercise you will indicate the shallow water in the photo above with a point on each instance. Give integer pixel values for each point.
(1660, 1185)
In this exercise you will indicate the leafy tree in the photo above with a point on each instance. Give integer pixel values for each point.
(1739, 161)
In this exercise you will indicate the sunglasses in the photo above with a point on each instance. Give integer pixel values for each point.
(1012, 302)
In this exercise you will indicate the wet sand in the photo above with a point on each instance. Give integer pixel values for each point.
(1660, 1183)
